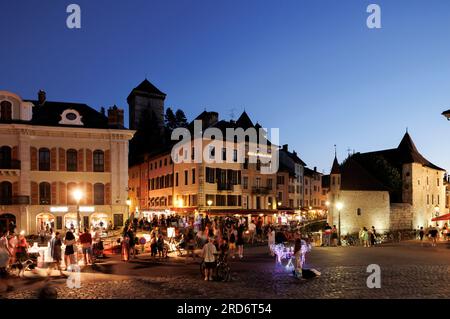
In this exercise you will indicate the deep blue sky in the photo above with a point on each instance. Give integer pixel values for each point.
(311, 68)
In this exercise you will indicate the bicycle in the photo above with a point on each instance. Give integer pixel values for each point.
(222, 271)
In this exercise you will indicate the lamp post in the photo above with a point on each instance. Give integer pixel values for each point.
(436, 213)
(209, 202)
(128, 201)
(339, 206)
(77, 195)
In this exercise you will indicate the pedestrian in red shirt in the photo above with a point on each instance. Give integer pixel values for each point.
(86, 244)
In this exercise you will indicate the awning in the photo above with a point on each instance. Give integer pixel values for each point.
(443, 217)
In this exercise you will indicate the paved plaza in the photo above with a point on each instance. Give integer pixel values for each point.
(408, 270)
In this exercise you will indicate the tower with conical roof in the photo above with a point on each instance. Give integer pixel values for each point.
(145, 98)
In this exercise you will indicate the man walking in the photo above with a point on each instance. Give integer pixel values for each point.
(208, 254)
(86, 244)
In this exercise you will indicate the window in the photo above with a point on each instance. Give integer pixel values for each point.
(210, 175)
(280, 180)
(186, 176)
(72, 160)
(5, 111)
(212, 152)
(44, 159)
(437, 182)
(245, 182)
(358, 211)
(269, 183)
(99, 161)
(5, 193)
(193, 176)
(224, 154)
(118, 220)
(99, 194)
(5, 157)
(235, 156)
(176, 179)
(44, 193)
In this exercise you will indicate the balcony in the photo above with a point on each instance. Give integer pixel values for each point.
(21, 200)
(224, 186)
(261, 190)
(10, 167)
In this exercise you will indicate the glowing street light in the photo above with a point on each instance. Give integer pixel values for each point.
(128, 202)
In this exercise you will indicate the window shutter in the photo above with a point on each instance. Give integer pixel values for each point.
(108, 194)
(53, 162)
(89, 194)
(54, 193)
(89, 160)
(62, 159)
(62, 193)
(33, 158)
(107, 161)
(80, 160)
(34, 193)
(15, 153)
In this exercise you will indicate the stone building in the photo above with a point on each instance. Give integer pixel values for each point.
(49, 149)
(389, 189)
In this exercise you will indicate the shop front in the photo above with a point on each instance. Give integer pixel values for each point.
(45, 222)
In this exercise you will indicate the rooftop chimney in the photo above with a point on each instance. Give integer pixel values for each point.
(41, 97)
(115, 116)
(315, 168)
(285, 147)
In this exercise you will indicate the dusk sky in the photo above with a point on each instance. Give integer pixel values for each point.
(311, 68)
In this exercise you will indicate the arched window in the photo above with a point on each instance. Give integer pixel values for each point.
(44, 159)
(99, 194)
(6, 193)
(5, 111)
(44, 193)
(5, 157)
(99, 161)
(72, 160)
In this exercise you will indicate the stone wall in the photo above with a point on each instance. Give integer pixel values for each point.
(401, 216)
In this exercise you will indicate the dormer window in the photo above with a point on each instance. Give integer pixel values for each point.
(71, 117)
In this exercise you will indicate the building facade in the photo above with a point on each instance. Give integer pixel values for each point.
(49, 150)
(390, 190)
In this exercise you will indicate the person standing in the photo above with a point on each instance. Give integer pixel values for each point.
(271, 240)
(86, 246)
(69, 253)
(327, 234)
(160, 245)
(232, 242)
(421, 235)
(55, 253)
(365, 237)
(373, 236)
(240, 241)
(153, 245)
(433, 234)
(251, 230)
(21, 248)
(208, 254)
(334, 236)
(5, 256)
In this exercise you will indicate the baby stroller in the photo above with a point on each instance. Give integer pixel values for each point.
(97, 251)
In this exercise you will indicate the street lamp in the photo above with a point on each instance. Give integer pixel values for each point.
(77, 195)
(128, 201)
(339, 206)
(209, 202)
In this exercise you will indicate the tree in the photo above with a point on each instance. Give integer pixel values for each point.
(170, 119)
(181, 119)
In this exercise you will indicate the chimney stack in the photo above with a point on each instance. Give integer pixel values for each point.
(285, 147)
(41, 97)
(115, 116)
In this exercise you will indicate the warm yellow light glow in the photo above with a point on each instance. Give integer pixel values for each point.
(180, 202)
(339, 205)
(279, 203)
(310, 207)
(128, 201)
(209, 202)
(77, 195)
(22, 233)
(327, 203)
